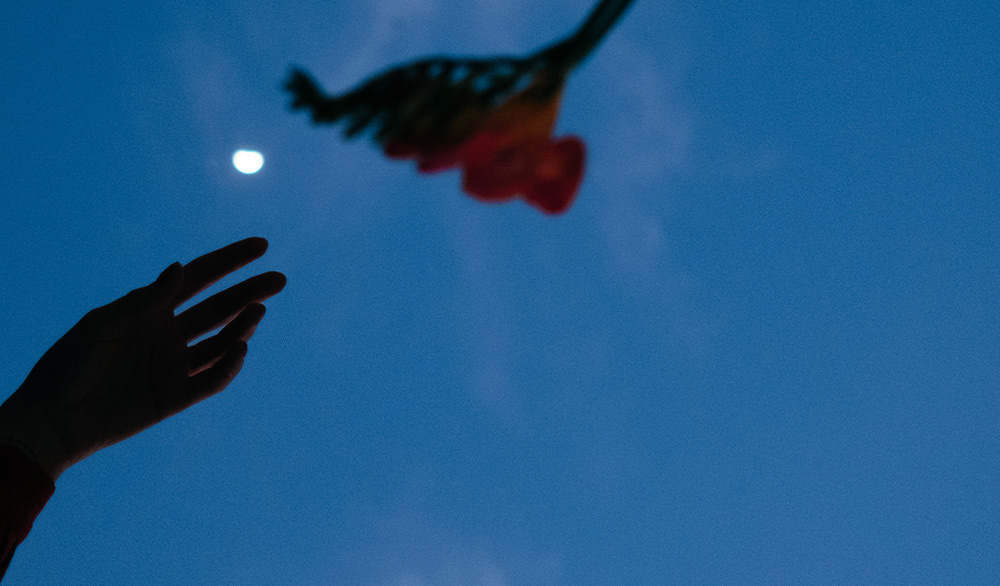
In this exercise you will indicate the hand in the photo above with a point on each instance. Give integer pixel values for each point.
(127, 365)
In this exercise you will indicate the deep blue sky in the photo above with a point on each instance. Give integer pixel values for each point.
(763, 347)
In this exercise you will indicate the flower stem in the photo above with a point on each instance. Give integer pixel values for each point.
(571, 51)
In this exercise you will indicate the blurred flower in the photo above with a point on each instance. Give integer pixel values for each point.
(493, 118)
(510, 152)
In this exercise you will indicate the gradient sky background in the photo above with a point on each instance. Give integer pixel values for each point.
(763, 347)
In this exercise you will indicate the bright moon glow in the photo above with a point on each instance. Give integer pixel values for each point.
(248, 161)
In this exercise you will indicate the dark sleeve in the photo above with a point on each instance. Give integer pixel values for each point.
(24, 490)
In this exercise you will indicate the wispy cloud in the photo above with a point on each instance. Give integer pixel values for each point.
(645, 138)
(487, 314)
(410, 541)
(654, 129)
(454, 572)
(395, 20)
(427, 554)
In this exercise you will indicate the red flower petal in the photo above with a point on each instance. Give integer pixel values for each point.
(558, 171)
(485, 184)
(437, 162)
(399, 150)
(493, 171)
(427, 161)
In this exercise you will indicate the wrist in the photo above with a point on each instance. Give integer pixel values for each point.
(32, 434)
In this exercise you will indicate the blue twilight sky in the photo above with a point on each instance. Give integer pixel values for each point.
(763, 347)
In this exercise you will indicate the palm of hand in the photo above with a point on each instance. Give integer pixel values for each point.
(109, 389)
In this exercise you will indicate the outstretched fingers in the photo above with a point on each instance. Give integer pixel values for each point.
(209, 351)
(209, 268)
(212, 380)
(222, 307)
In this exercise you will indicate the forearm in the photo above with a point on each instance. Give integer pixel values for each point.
(24, 489)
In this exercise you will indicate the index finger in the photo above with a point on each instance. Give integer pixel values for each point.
(201, 272)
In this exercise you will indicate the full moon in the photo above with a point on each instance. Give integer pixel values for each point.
(248, 162)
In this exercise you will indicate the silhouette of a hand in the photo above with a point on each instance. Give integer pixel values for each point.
(127, 365)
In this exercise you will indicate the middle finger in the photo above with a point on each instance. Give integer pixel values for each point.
(222, 307)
